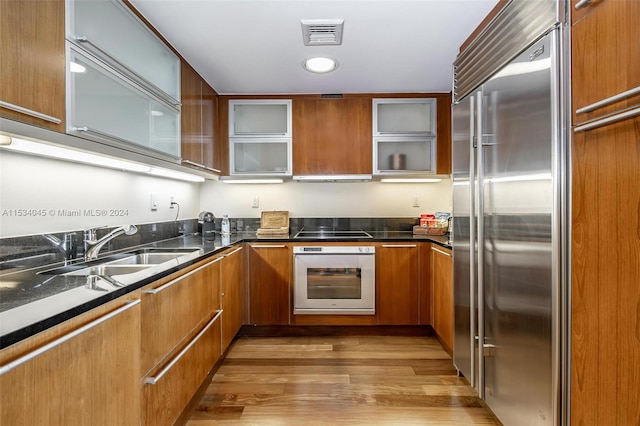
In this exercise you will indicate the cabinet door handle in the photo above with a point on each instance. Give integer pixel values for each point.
(182, 277)
(441, 252)
(193, 163)
(268, 246)
(399, 246)
(583, 3)
(608, 119)
(41, 350)
(233, 252)
(156, 90)
(165, 370)
(212, 169)
(611, 100)
(30, 112)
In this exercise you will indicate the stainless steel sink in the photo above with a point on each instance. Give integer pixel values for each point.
(125, 263)
(147, 259)
(109, 270)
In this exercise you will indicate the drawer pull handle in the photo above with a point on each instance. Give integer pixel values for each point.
(165, 370)
(180, 278)
(201, 166)
(399, 246)
(608, 119)
(41, 350)
(30, 112)
(583, 3)
(611, 100)
(268, 246)
(233, 252)
(441, 252)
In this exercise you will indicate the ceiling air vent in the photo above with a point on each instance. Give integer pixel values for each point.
(322, 32)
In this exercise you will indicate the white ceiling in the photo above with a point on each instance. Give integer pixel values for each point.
(256, 47)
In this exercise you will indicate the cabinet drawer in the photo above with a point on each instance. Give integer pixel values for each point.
(87, 375)
(169, 390)
(171, 310)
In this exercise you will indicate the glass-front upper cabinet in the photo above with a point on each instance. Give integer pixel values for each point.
(260, 137)
(105, 107)
(110, 31)
(123, 82)
(404, 136)
(260, 118)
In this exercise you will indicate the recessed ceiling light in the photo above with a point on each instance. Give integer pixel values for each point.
(320, 65)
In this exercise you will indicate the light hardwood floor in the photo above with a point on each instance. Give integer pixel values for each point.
(373, 380)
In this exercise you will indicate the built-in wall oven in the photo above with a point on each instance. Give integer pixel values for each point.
(332, 280)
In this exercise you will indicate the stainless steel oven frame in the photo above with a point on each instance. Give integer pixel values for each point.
(361, 258)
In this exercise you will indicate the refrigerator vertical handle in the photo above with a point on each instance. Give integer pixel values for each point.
(480, 245)
(472, 239)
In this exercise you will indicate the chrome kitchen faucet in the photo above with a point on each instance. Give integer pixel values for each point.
(92, 246)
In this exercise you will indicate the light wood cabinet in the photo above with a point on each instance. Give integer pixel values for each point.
(169, 390)
(232, 295)
(397, 270)
(180, 339)
(173, 307)
(199, 108)
(604, 258)
(32, 69)
(269, 271)
(442, 285)
(84, 371)
(332, 136)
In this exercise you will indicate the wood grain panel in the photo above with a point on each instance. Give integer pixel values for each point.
(605, 57)
(191, 114)
(397, 285)
(209, 111)
(32, 68)
(222, 135)
(443, 149)
(269, 284)
(425, 291)
(332, 136)
(165, 400)
(442, 309)
(232, 280)
(171, 314)
(605, 263)
(90, 379)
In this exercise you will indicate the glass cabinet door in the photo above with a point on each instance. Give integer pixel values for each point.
(104, 106)
(259, 157)
(107, 29)
(401, 155)
(404, 116)
(260, 118)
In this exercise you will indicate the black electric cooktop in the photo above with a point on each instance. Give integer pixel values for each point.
(330, 233)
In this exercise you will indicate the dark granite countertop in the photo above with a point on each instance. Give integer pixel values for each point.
(31, 302)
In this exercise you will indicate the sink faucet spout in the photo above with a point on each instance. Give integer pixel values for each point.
(93, 245)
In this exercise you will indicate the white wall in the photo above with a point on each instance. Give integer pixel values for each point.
(358, 199)
(41, 189)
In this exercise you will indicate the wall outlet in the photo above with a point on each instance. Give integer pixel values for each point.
(172, 200)
(416, 201)
(154, 201)
(255, 202)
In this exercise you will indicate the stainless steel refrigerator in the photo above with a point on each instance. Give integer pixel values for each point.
(506, 214)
